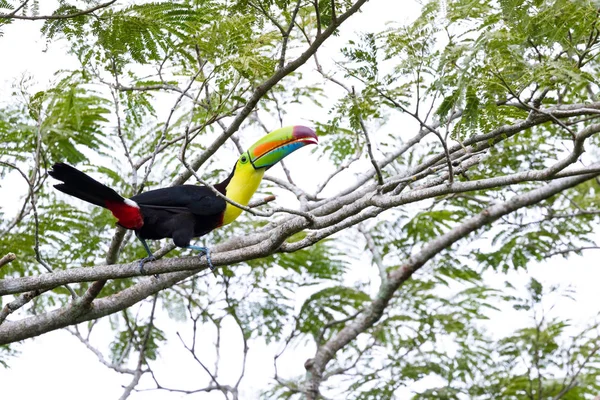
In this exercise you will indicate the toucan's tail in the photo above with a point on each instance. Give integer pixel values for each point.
(80, 185)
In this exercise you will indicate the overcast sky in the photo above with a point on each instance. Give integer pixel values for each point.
(58, 366)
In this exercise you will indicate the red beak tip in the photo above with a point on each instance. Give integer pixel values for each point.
(304, 132)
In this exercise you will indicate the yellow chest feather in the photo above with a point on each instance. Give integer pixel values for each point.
(240, 189)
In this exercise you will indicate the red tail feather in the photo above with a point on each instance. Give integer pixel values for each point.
(129, 215)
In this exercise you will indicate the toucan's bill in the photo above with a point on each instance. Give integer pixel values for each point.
(187, 211)
(278, 144)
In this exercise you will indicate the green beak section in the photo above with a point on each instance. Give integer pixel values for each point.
(274, 147)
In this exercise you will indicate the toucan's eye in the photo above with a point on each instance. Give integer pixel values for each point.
(244, 159)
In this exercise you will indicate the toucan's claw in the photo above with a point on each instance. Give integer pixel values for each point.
(209, 261)
(206, 252)
(144, 261)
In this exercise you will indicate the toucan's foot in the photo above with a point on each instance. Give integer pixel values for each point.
(147, 259)
(206, 252)
(144, 261)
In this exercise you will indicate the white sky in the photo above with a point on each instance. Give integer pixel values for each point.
(57, 365)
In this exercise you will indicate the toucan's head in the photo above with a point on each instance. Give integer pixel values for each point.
(262, 155)
(278, 144)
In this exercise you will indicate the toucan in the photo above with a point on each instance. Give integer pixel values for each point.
(185, 212)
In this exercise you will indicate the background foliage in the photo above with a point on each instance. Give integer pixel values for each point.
(515, 81)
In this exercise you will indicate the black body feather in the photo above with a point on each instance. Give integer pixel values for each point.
(179, 212)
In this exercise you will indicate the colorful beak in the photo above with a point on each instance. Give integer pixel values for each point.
(274, 147)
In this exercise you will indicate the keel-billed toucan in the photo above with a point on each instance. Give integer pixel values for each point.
(187, 211)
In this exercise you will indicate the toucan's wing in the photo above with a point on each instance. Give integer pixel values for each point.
(198, 200)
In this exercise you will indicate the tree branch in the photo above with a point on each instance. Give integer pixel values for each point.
(263, 89)
(55, 16)
(7, 259)
(397, 277)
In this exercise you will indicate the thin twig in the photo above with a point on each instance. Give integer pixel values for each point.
(572, 250)
(116, 101)
(375, 253)
(286, 34)
(36, 247)
(114, 366)
(426, 126)
(142, 357)
(257, 213)
(192, 351)
(55, 16)
(165, 129)
(366, 134)
(573, 381)
(235, 139)
(532, 108)
(245, 333)
(16, 10)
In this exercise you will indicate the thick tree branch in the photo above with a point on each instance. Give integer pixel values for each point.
(373, 312)
(476, 143)
(336, 214)
(329, 217)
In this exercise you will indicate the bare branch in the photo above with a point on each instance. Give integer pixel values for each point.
(165, 129)
(116, 367)
(376, 255)
(288, 186)
(54, 16)
(243, 331)
(16, 10)
(114, 249)
(17, 303)
(191, 350)
(7, 258)
(286, 34)
(572, 250)
(532, 108)
(431, 129)
(142, 357)
(328, 219)
(573, 382)
(367, 140)
(397, 277)
(116, 102)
